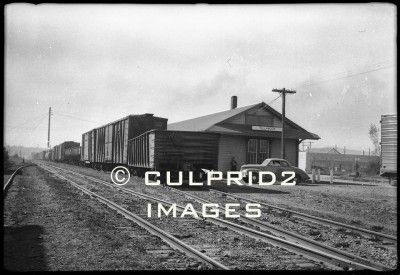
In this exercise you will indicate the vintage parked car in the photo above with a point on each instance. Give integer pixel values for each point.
(275, 165)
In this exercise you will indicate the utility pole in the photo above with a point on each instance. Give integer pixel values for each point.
(309, 146)
(48, 130)
(283, 92)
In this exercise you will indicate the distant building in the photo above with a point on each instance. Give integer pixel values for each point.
(340, 163)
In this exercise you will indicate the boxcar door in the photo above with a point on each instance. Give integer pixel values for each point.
(108, 143)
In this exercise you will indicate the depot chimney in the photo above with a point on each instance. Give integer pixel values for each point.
(233, 102)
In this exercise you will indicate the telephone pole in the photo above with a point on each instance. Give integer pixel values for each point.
(48, 130)
(283, 92)
(309, 146)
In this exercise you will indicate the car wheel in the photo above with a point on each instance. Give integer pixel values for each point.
(254, 179)
(297, 179)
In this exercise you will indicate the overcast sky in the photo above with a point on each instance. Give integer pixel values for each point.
(96, 63)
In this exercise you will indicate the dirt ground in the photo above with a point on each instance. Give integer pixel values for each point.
(48, 225)
(372, 206)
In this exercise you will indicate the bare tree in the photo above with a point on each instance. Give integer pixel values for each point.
(374, 136)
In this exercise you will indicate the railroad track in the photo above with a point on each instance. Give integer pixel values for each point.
(291, 236)
(10, 180)
(165, 236)
(306, 247)
(311, 218)
(257, 259)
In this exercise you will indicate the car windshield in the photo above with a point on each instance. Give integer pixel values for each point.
(284, 164)
(265, 162)
(275, 163)
(272, 162)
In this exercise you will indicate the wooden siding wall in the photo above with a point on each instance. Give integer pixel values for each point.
(92, 145)
(108, 143)
(139, 151)
(228, 147)
(85, 147)
(291, 149)
(196, 148)
(172, 149)
(99, 144)
(120, 134)
(241, 118)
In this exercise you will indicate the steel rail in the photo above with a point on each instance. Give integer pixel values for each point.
(297, 248)
(310, 217)
(168, 238)
(291, 236)
(10, 180)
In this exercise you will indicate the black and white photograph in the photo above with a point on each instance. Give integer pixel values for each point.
(200, 137)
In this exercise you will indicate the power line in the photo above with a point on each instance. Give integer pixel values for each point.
(340, 74)
(75, 117)
(272, 101)
(348, 76)
(40, 122)
(269, 103)
(27, 121)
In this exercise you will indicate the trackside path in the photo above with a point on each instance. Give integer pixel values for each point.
(48, 225)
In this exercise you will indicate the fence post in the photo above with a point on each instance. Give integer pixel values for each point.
(331, 175)
(318, 175)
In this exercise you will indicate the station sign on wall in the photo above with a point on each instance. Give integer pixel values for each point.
(264, 128)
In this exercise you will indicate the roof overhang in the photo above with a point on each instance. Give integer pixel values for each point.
(246, 130)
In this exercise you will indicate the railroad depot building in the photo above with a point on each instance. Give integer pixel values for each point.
(250, 134)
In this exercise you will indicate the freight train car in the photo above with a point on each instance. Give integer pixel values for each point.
(106, 146)
(68, 151)
(389, 147)
(48, 154)
(173, 151)
(73, 154)
(57, 153)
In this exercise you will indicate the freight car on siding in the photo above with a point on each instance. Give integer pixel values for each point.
(68, 151)
(73, 154)
(389, 147)
(106, 147)
(163, 150)
(47, 155)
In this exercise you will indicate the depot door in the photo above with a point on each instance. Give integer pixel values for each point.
(257, 150)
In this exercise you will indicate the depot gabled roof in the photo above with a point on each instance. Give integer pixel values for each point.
(215, 123)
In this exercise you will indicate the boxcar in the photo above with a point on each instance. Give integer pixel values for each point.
(173, 151)
(87, 152)
(48, 155)
(67, 151)
(57, 153)
(389, 146)
(106, 146)
(43, 155)
(72, 152)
